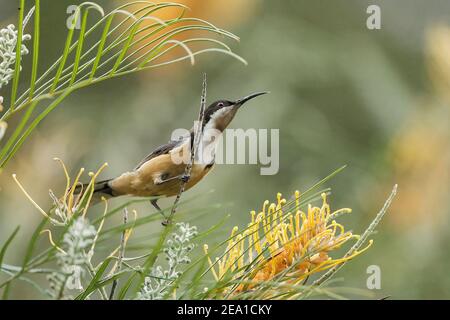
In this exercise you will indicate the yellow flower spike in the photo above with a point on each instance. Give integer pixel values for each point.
(239, 249)
(50, 239)
(315, 257)
(264, 222)
(339, 212)
(283, 201)
(263, 212)
(279, 197)
(232, 236)
(265, 205)
(267, 233)
(292, 225)
(334, 226)
(324, 198)
(72, 190)
(256, 240)
(260, 223)
(284, 238)
(222, 267)
(370, 243)
(232, 262)
(91, 183)
(129, 231)
(353, 255)
(303, 239)
(340, 226)
(297, 223)
(310, 225)
(253, 215)
(211, 266)
(66, 205)
(279, 207)
(14, 176)
(271, 216)
(66, 174)
(250, 251)
(343, 210)
(303, 215)
(275, 214)
(310, 242)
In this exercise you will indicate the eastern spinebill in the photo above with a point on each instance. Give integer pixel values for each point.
(158, 175)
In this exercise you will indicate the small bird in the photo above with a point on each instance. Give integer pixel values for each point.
(158, 175)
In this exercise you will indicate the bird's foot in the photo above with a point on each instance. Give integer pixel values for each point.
(154, 203)
(160, 180)
(185, 178)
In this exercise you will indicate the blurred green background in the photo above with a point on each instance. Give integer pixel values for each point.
(376, 100)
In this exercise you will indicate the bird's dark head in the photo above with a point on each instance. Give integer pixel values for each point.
(219, 114)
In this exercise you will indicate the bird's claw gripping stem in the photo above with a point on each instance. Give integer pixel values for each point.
(185, 178)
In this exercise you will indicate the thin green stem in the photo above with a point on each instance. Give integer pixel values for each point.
(16, 76)
(79, 47)
(36, 36)
(18, 130)
(33, 125)
(65, 52)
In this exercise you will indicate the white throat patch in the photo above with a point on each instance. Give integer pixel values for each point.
(211, 135)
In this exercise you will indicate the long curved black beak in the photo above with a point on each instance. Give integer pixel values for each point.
(243, 100)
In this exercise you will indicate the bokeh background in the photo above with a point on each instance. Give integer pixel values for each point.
(376, 100)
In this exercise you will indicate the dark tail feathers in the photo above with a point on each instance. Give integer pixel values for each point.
(101, 188)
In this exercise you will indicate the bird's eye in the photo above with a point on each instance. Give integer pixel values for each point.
(220, 104)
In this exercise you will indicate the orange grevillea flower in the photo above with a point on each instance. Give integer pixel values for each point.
(283, 245)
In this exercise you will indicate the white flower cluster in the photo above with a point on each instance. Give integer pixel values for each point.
(8, 42)
(156, 286)
(77, 240)
(61, 210)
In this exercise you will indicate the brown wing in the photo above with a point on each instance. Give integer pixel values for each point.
(163, 149)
